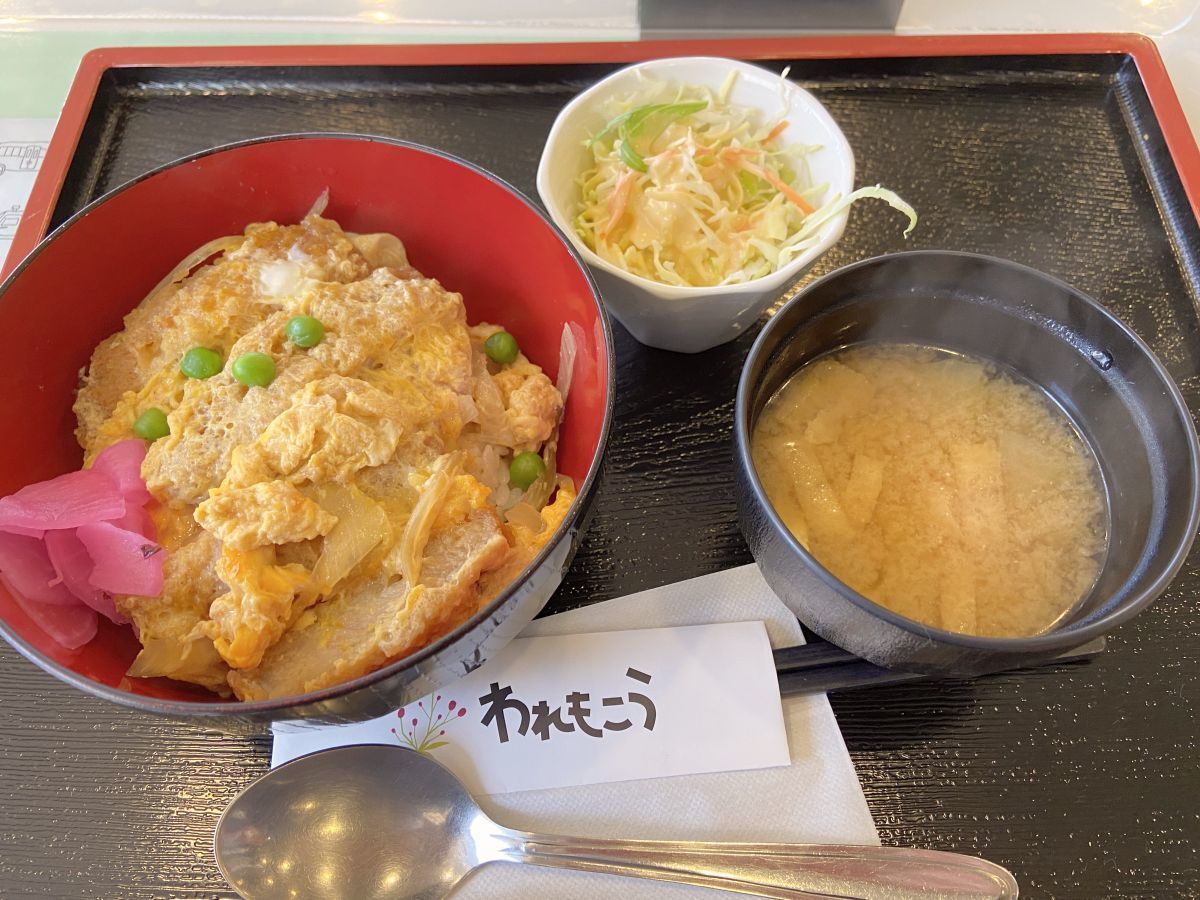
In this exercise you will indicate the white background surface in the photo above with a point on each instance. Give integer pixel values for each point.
(1174, 25)
(505, 19)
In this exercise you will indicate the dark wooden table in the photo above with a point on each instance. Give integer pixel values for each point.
(1083, 778)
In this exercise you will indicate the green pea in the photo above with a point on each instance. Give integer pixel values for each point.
(152, 424)
(254, 369)
(526, 468)
(304, 331)
(200, 362)
(502, 347)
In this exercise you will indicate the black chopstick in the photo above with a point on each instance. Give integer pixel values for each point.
(821, 667)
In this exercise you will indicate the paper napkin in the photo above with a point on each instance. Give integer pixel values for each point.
(817, 799)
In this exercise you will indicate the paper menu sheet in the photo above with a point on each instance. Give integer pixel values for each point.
(23, 144)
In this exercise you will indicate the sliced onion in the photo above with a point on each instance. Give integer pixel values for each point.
(175, 658)
(125, 561)
(489, 404)
(526, 516)
(202, 254)
(382, 250)
(318, 207)
(568, 349)
(411, 547)
(361, 526)
(158, 658)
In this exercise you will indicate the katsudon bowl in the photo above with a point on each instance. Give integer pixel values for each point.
(476, 234)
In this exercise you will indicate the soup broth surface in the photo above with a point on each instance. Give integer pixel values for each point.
(937, 485)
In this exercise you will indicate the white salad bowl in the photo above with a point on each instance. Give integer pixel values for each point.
(691, 319)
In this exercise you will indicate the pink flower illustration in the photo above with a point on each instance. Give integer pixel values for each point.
(431, 735)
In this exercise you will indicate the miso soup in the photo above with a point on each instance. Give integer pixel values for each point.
(937, 485)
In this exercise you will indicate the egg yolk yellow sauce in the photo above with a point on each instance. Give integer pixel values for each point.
(350, 511)
(937, 486)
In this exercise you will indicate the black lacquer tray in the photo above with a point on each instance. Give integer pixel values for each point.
(1066, 153)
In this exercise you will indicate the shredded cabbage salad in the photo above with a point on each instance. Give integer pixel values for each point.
(690, 190)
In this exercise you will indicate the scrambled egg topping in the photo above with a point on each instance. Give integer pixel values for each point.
(352, 510)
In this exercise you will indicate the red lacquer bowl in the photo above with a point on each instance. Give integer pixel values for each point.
(460, 224)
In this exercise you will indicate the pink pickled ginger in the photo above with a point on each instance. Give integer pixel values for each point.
(74, 565)
(70, 626)
(26, 564)
(136, 519)
(125, 562)
(69, 544)
(64, 502)
(122, 463)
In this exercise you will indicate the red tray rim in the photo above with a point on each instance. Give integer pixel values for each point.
(1181, 144)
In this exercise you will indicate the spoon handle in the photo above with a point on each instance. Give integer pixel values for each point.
(771, 870)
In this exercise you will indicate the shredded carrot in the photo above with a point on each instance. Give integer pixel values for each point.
(724, 194)
(736, 156)
(780, 185)
(669, 153)
(618, 202)
(732, 155)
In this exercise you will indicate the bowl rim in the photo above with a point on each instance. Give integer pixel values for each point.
(834, 227)
(1055, 639)
(266, 709)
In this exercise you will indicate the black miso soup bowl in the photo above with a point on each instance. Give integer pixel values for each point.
(1103, 376)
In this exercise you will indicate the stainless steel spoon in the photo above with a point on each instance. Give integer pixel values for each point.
(375, 822)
